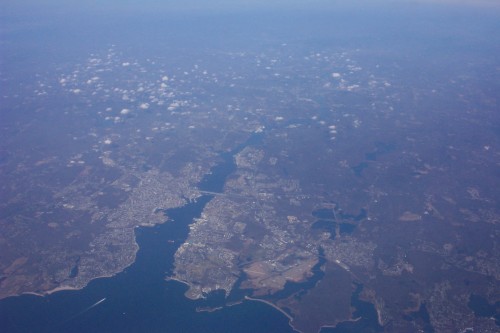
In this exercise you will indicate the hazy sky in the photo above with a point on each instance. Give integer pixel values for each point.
(222, 5)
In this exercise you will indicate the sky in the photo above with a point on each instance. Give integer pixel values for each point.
(226, 5)
(87, 14)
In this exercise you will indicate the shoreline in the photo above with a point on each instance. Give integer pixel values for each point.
(290, 318)
(168, 278)
(65, 287)
(42, 294)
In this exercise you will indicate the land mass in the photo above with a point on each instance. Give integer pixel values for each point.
(345, 199)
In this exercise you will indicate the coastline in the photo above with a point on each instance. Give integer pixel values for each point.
(45, 293)
(271, 304)
(246, 298)
(109, 275)
(290, 318)
(60, 288)
(52, 291)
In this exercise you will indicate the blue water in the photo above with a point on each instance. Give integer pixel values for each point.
(482, 308)
(368, 322)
